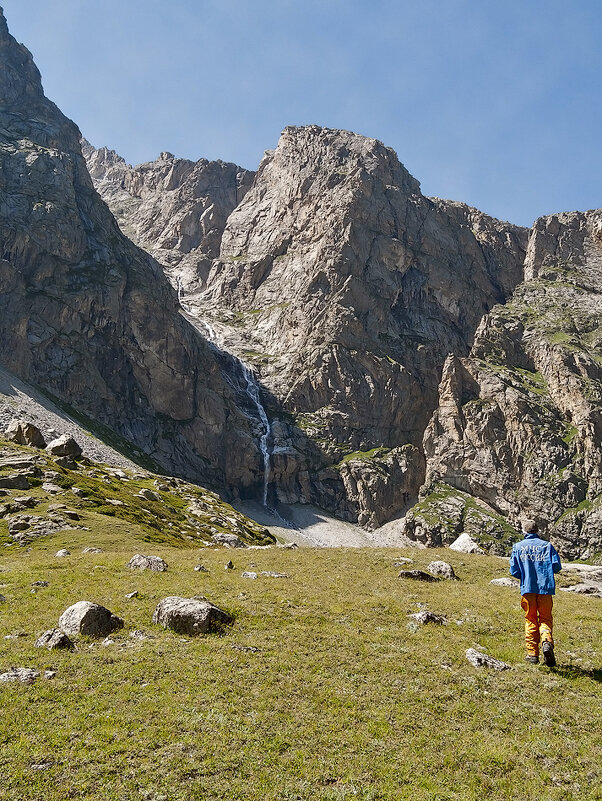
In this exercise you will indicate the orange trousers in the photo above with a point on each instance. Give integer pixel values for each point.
(538, 620)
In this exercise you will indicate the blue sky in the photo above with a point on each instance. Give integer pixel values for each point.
(497, 104)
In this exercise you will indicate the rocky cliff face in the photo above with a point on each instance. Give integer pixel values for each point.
(175, 209)
(519, 423)
(89, 316)
(346, 288)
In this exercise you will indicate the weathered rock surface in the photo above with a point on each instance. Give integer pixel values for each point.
(64, 445)
(423, 617)
(53, 639)
(147, 563)
(24, 675)
(479, 659)
(441, 568)
(190, 616)
(89, 619)
(506, 581)
(417, 575)
(25, 433)
(91, 317)
(173, 208)
(518, 429)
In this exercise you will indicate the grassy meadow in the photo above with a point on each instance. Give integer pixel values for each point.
(320, 690)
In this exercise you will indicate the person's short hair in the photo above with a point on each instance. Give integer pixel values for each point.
(530, 526)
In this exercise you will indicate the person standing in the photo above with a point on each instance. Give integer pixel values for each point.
(534, 561)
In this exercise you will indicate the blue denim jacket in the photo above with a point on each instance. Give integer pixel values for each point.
(534, 562)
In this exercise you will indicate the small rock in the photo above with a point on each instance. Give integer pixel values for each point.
(249, 574)
(40, 584)
(67, 462)
(154, 563)
(52, 639)
(70, 514)
(50, 488)
(404, 560)
(49, 674)
(200, 569)
(138, 634)
(149, 495)
(108, 641)
(63, 552)
(42, 765)
(64, 445)
(78, 492)
(417, 575)
(2, 599)
(585, 588)
(229, 540)
(229, 565)
(114, 502)
(465, 544)
(479, 659)
(443, 569)
(190, 616)
(25, 433)
(271, 574)
(92, 549)
(24, 675)
(425, 617)
(247, 649)
(505, 582)
(133, 594)
(89, 619)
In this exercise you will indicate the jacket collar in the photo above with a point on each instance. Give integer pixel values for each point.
(530, 535)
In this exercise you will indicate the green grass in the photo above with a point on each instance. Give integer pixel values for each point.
(340, 701)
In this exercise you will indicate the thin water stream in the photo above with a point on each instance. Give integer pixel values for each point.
(249, 383)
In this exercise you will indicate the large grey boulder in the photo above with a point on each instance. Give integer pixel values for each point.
(229, 540)
(25, 433)
(64, 445)
(89, 619)
(52, 639)
(443, 569)
(190, 615)
(148, 563)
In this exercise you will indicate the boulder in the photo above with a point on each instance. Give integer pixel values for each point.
(54, 638)
(25, 433)
(200, 569)
(64, 445)
(443, 569)
(506, 581)
(465, 544)
(63, 552)
(149, 495)
(585, 588)
(417, 575)
(478, 659)
(147, 563)
(190, 615)
(90, 619)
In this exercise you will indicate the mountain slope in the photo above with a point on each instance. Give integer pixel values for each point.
(89, 316)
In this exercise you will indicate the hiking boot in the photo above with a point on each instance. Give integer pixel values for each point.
(534, 660)
(549, 659)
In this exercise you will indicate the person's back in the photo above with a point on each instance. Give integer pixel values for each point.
(534, 561)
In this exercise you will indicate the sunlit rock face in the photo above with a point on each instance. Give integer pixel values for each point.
(519, 422)
(89, 316)
(346, 288)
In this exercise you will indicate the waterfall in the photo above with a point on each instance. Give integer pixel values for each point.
(251, 387)
(253, 393)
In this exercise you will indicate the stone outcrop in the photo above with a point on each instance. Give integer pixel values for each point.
(175, 209)
(89, 316)
(25, 433)
(518, 429)
(154, 563)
